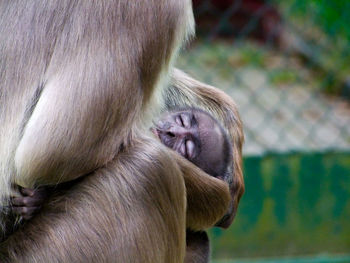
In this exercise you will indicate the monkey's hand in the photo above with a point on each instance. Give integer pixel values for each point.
(30, 201)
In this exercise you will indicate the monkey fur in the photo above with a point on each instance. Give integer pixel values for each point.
(76, 94)
(63, 214)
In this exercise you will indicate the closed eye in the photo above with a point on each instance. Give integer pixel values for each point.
(179, 120)
(186, 120)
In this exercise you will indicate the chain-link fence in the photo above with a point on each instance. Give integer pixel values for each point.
(287, 66)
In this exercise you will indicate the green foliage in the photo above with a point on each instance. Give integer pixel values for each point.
(331, 16)
(324, 26)
(283, 76)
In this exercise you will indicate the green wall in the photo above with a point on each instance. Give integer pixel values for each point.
(295, 204)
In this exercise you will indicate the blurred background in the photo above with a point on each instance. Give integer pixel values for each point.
(287, 66)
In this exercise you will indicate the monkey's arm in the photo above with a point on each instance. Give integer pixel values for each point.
(208, 198)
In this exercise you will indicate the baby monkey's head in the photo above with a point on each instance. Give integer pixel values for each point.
(198, 137)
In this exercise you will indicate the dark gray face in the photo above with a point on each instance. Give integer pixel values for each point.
(196, 136)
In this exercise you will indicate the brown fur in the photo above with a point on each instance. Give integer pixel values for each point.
(77, 79)
(197, 247)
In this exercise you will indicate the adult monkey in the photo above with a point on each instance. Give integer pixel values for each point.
(70, 71)
(67, 71)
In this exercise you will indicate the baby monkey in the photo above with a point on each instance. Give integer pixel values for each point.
(200, 138)
(191, 132)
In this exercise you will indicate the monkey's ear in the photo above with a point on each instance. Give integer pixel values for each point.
(208, 198)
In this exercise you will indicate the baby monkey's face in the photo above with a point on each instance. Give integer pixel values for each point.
(195, 135)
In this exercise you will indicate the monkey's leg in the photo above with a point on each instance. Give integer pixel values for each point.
(133, 210)
(76, 88)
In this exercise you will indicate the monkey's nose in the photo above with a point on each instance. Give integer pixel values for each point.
(170, 134)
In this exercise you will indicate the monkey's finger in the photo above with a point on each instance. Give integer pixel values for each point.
(26, 201)
(27, 191)
(25, 212)
(37, 193)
